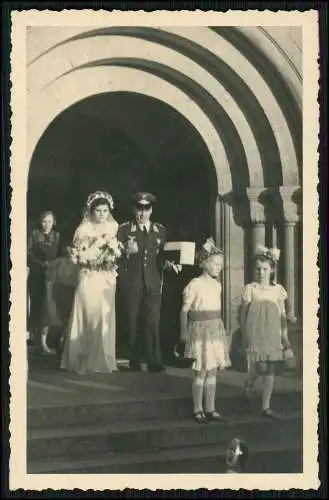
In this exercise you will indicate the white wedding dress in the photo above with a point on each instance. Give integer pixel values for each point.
(91, 334)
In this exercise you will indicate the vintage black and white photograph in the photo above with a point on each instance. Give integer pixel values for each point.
(165, 303)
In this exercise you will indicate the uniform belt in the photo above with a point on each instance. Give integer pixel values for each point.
(204, 315)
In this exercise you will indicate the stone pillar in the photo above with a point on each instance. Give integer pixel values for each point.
(219, 221)
(258, 233)
(274, 236)
(227, 266)
(289, 251)
(257, 217)
(222, 235)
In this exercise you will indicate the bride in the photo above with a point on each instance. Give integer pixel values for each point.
(90, 341)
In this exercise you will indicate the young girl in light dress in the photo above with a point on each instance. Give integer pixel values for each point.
(263, 325)
(203, 332)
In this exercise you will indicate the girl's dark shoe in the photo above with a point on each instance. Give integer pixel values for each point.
(200, 418)
(214, 416)
(271, 415)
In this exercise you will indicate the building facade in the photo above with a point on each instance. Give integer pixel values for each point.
(228, 116)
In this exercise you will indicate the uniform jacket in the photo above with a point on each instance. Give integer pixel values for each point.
(144, 267)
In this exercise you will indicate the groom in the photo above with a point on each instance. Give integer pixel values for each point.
(140, 282)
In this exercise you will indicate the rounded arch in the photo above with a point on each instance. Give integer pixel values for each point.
(257, 90)
(124, 142)
(216, 64)
(281, 51)
(79, 84)
(183, 72)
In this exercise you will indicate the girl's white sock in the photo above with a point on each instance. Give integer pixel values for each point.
(210, 392)
(268, 384)
(197, 391)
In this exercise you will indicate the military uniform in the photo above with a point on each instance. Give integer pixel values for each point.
(140, 287)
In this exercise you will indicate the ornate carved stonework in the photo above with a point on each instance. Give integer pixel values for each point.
(290, 212)
(290, 208)
(257, 213)
(257, 209)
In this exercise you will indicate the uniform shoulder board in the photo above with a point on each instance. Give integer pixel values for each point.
(124, 224)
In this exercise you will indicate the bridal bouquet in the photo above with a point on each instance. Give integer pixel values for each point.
(99, 253)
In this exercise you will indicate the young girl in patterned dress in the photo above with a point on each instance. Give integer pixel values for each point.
(203, 332)
(263, 325)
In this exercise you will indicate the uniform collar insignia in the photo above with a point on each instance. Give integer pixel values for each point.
(133, 227)
(155, 228)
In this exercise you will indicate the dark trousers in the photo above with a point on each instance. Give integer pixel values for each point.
(140, 310)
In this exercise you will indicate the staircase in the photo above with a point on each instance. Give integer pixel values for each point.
(157, 435)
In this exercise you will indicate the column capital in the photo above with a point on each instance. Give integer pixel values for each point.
(257, 209)
(225, 197)
(255, 193)
(290, 207)
(289, 192)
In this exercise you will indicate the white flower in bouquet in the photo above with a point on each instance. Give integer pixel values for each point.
(99, 253)
(92, 253)
(74, 255)
(116, 247)
(107, 238)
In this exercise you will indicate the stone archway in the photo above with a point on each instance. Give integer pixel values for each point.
(123, 142)
(221, 66)
(86, 82)
(249, 118)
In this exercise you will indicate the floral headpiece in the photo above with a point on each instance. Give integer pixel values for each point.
(270, 253)
(100, 195)
(208, 249)
(97, 195)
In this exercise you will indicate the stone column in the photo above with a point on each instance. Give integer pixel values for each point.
(274, 236)
(219, 221)
(257, 217)
(222, 235)
(290, 221)
(227, 265)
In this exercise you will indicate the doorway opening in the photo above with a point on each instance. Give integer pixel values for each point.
(123, 143)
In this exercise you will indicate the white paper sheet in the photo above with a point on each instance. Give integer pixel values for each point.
(186, 249)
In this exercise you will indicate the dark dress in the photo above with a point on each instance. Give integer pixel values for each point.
(41, 248)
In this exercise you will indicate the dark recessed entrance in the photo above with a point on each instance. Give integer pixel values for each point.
(122, 143)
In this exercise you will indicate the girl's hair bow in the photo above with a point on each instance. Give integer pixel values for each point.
(207, 250)
(270, 253)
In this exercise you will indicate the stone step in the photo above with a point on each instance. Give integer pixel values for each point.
(129, 437)
(104, 412)
(282, 457)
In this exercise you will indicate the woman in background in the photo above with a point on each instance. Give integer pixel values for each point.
(42, 247)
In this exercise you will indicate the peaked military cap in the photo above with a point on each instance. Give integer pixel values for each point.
(144, 199)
